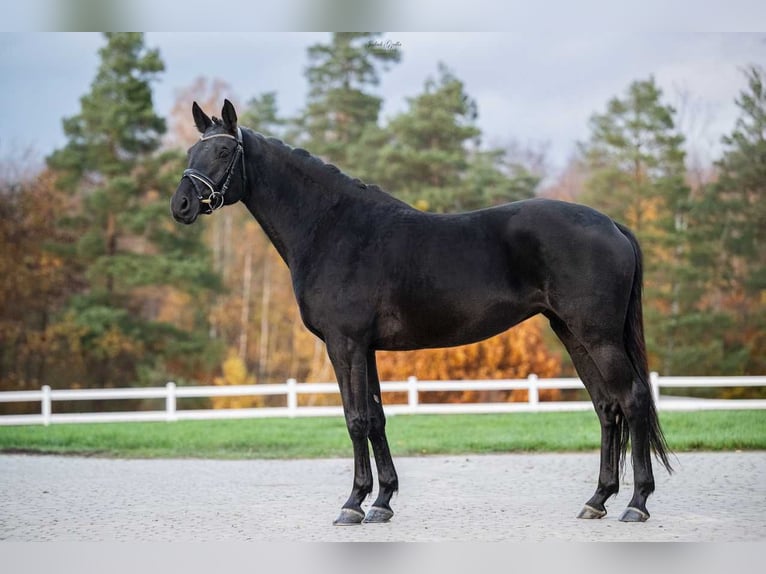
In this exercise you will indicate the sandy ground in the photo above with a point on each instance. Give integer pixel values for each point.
(717, 497)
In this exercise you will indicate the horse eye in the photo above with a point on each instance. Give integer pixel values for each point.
(224, 152)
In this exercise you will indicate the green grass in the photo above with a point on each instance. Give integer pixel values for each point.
(408, 435)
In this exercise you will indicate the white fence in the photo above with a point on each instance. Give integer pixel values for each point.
(413, 387)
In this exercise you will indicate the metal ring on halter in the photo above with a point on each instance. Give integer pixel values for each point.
(215, 200)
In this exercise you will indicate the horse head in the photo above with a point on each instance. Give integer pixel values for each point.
(215, 175)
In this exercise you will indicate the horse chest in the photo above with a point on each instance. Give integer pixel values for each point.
(336, 299)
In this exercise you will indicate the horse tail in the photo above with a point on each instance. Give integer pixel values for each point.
(635, 345)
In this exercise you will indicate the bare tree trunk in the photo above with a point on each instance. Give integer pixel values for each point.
(227, 244)
(244, 317)
(263, 351)
(217, 245)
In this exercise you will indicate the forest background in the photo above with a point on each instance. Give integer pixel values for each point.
(100, 288)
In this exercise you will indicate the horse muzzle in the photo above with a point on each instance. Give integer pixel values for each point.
(185, 205)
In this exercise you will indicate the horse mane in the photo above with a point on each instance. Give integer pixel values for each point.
(324, 173)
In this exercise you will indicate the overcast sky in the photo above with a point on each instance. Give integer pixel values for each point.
(530, 87)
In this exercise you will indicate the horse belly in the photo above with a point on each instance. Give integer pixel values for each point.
(457, 287)
(446, 321)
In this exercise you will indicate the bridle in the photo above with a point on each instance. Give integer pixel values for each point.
(217, 189)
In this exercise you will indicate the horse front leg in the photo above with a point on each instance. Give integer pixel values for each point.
(350, 363)
(387, 478)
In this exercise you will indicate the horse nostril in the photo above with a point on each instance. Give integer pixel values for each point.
(184, 207)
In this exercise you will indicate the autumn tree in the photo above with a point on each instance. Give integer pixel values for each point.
(130, 255)
(569, 183)
(234, 372)
(340, 104)
(728, 227)
(209, 93)
(36, 281)
(514, 354)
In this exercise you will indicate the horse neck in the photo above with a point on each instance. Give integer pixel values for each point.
(283, 198)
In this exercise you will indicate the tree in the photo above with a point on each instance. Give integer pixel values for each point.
(430, 157)
(637, 176)
(208, 93)
(729, 227)
(635, 157)
(262, 115)
(493, 178)
(426, 153)
(234, 372)
(117, 123)
(514, 354)
(339, 107)
(130, 256)
(569, 183)
(35, 280)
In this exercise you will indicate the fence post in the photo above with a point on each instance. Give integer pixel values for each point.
(412, 393)
(292, 398)
(533, 395)
(654, 382)
(170, 402)
(45, 404)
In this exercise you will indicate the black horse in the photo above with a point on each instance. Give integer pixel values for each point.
(372, 273)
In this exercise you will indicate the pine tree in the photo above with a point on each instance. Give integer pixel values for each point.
(117, 123)
(427, 149)
(637, 176)
(636, 157)
(492, 178)
(262, 115)
(340, 107)
(729, 225)
(430, 157)
(130, 255)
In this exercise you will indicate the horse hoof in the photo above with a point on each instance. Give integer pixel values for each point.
(378, 515)
(632, 514)
(588, 512)
(349, 517)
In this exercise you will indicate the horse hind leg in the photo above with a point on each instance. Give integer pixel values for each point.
(613, 428)
(636, 406)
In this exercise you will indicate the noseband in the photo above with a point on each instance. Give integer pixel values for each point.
(215, 198)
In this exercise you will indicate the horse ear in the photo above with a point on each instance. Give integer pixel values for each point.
(229, 116)
(200, 118)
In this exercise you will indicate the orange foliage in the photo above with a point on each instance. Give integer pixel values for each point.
(208, 93)
(514, 354)
(235, 373)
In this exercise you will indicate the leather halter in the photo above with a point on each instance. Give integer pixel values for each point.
(215, 198)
